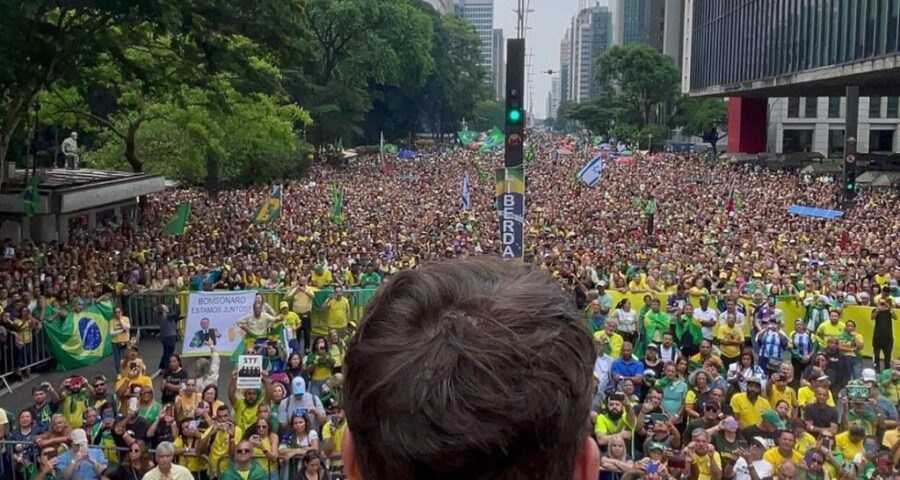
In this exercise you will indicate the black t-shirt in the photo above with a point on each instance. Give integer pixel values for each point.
(726, 449)
(821, 416)
(175, 379)
(884, 331)
(124, 472)
(138, 430)
(838, 368)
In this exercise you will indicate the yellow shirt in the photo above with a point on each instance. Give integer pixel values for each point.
(613, 342)
(120, 323)
(321, 279)
(702, 462)
(290, 320)
(218, 447)
(260, 452)
(890, 438)
(23, 328)
(192, 463)
(775, 459)
(827, 330)
(303, 304)
(849, 449)
(337, 313)
(748, 413)
(804, 443)
(730, 333)
(806, 396)
(245, 415)
(788, 395)
(329, 431)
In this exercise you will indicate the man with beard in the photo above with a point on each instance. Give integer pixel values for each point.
(99, 394)
(616, 422)
(747, 406)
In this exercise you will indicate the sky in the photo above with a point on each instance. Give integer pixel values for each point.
(547, 24)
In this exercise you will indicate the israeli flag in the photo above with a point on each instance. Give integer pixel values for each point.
(464, 195)
(591, 172)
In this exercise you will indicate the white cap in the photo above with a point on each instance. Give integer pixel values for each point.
(79, 437)
(868, 375)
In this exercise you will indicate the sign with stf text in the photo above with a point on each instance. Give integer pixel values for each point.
(510, 194)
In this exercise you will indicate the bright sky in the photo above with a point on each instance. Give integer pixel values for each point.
(547, 24)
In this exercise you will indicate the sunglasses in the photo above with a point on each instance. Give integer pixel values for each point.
(98, 385)
(243, 450)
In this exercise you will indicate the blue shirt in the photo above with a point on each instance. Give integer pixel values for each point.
(84, 470)
(630, 368)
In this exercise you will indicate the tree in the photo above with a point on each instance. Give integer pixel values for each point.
(488, 113)
(702, 117)
(343, 47)
(596, 117)
(641, 78)
(42, 41)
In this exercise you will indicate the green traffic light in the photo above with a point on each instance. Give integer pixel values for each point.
(515, 115)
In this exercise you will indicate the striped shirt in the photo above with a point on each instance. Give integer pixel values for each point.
(772, 345)
(803, 344)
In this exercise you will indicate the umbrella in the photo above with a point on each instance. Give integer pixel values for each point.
(887, 179)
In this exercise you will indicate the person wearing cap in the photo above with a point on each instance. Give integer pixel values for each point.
(710, 415)
(321, 276)
(616, 421)
(749, 465)
(290, 322)
(859, 411)
(301, 400)
(784, 451)
(81, 461)
(881, 403)
(651, 360)
(246, 407)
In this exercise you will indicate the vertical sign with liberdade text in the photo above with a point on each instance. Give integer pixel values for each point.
(510, 194)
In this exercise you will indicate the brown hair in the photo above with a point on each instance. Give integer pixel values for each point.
(470, 369)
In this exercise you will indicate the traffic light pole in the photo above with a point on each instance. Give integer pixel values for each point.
(848, 188)
(510, 180)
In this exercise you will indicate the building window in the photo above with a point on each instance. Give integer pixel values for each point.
(881, 141)
(836, 143)
(797, 141)
(893, 107)
(793, 107)
(834, 107)
(812, 107)
(874, 107)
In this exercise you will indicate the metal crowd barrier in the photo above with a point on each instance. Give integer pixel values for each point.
(8, 470)
(31, 355)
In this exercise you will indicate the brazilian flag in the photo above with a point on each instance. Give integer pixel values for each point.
(81, 339)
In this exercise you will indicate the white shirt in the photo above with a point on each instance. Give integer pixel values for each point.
(176, 473)
(670, 354)
(705, 316)
(627, 320)
(602, 368)
(742, 470)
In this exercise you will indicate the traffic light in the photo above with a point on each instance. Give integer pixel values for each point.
(515, 111)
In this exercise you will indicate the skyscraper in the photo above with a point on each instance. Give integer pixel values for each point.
(553, 97)
(498, 63)
(480, 15)
(565, 66)
(588, 37)
(631, 21)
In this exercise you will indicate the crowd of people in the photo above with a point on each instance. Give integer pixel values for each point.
(679, 390)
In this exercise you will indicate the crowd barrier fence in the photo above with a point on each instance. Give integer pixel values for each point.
(14, 356)
(793, 309)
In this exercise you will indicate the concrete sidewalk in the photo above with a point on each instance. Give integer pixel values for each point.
(150, 352)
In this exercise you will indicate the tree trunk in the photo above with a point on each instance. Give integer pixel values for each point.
(4, 149)
(137, 166)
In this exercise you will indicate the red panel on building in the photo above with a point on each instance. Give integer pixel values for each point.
(747, 124)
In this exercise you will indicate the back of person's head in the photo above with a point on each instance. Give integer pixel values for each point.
(470, 369)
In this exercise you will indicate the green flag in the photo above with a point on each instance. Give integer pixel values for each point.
(178, 223)
(391, 148)
(337, 200)
(82, 338)
(651, 206)
(483, 175)
(529, 155)
(270, 210)
(466, 137)
(495, 138)
(739, 201)
(31, 197)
